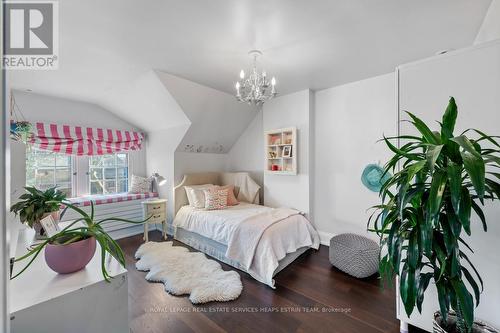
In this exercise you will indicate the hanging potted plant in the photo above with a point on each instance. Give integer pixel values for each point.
(425, 217)
(72, 248)
(35, 205)
(21, 131)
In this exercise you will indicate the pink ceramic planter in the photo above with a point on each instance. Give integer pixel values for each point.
(70, 258)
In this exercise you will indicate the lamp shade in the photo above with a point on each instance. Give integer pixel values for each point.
(160, 180)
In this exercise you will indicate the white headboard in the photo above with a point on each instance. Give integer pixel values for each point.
(249, 190)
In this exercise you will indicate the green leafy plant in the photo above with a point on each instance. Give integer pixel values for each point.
(82, 228)
(35, 203)
(426, 212)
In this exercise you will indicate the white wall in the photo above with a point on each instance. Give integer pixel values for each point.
(337, 133)
(247, 154)
(198, 162)
(161, 147)
(349, 119)
(291, 110)
(490, 29)
(36, 107)
(472, 76)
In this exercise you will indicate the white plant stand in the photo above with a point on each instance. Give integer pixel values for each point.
(43, 301)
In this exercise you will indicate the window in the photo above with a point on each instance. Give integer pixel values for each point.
(77, 175)
(46, 169)
(108, 174)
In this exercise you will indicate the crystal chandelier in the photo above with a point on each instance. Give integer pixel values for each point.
(254, 89)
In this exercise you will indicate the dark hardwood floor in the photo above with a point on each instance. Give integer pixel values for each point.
(310, 296)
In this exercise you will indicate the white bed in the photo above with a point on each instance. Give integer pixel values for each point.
(214, 232)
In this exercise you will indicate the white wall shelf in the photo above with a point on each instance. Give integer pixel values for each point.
(278, 144)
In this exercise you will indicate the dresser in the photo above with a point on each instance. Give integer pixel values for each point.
(156, 211)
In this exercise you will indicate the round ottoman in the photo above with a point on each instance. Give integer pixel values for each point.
(354, 254)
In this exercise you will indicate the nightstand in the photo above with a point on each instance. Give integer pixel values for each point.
(158, 210)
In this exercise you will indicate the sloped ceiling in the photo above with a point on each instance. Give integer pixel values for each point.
(146, 102)
(158, 101)
(217, 118)
(490, 29)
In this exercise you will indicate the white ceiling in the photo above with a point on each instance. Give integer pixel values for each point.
(307, 44)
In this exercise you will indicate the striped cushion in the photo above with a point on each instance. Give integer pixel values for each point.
(111, 198)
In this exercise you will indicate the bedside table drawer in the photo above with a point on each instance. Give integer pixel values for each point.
(156, 217)
(155, 209)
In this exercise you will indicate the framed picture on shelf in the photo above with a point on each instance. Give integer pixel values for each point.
(287, 151)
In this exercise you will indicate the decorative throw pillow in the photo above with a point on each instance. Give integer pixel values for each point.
(140, 184)
(215, 198)
(231, 194)
(196, 196)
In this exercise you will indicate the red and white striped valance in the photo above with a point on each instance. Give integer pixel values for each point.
(78, 140)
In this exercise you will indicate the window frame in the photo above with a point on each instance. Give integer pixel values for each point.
(53, 167)
(80, 174)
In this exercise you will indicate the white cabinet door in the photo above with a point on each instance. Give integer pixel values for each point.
(472, 76)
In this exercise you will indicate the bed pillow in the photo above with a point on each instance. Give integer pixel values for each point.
(140, 184)
(196, 196)
(215, 198)
(231, 194)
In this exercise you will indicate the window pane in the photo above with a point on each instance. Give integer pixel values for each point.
(62, 160)
(111, 170)
(45, 160)
(95, 173)
(63, 175)
(110, 187)
(109, 160)
(96, 188)
(45, 176)
(45, 169)
(121, 160)
(122, 172)
(66, 191)
(96, 161)
(110, 173)
(122, 186)
(30, 176)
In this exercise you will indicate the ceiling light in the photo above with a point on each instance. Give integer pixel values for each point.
(256, 88)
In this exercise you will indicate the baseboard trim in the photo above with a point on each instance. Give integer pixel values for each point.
(324, 237)
(130, 231)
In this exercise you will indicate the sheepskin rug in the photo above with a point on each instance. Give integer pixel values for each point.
(183, 272)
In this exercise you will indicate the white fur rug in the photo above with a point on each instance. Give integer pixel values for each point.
(183, 272)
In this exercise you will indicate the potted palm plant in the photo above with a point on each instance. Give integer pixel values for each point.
(440, 179)
(74, 246)
(36, 204)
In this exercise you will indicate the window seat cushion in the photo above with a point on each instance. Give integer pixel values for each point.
(111, 198)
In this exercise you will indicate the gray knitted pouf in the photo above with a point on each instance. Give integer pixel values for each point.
(354, 254)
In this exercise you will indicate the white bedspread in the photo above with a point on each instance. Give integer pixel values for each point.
(286, 236)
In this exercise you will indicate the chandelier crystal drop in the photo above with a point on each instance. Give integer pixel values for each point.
(255, 88)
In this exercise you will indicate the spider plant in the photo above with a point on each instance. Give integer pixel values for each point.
(82, 228)
(426, 212)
